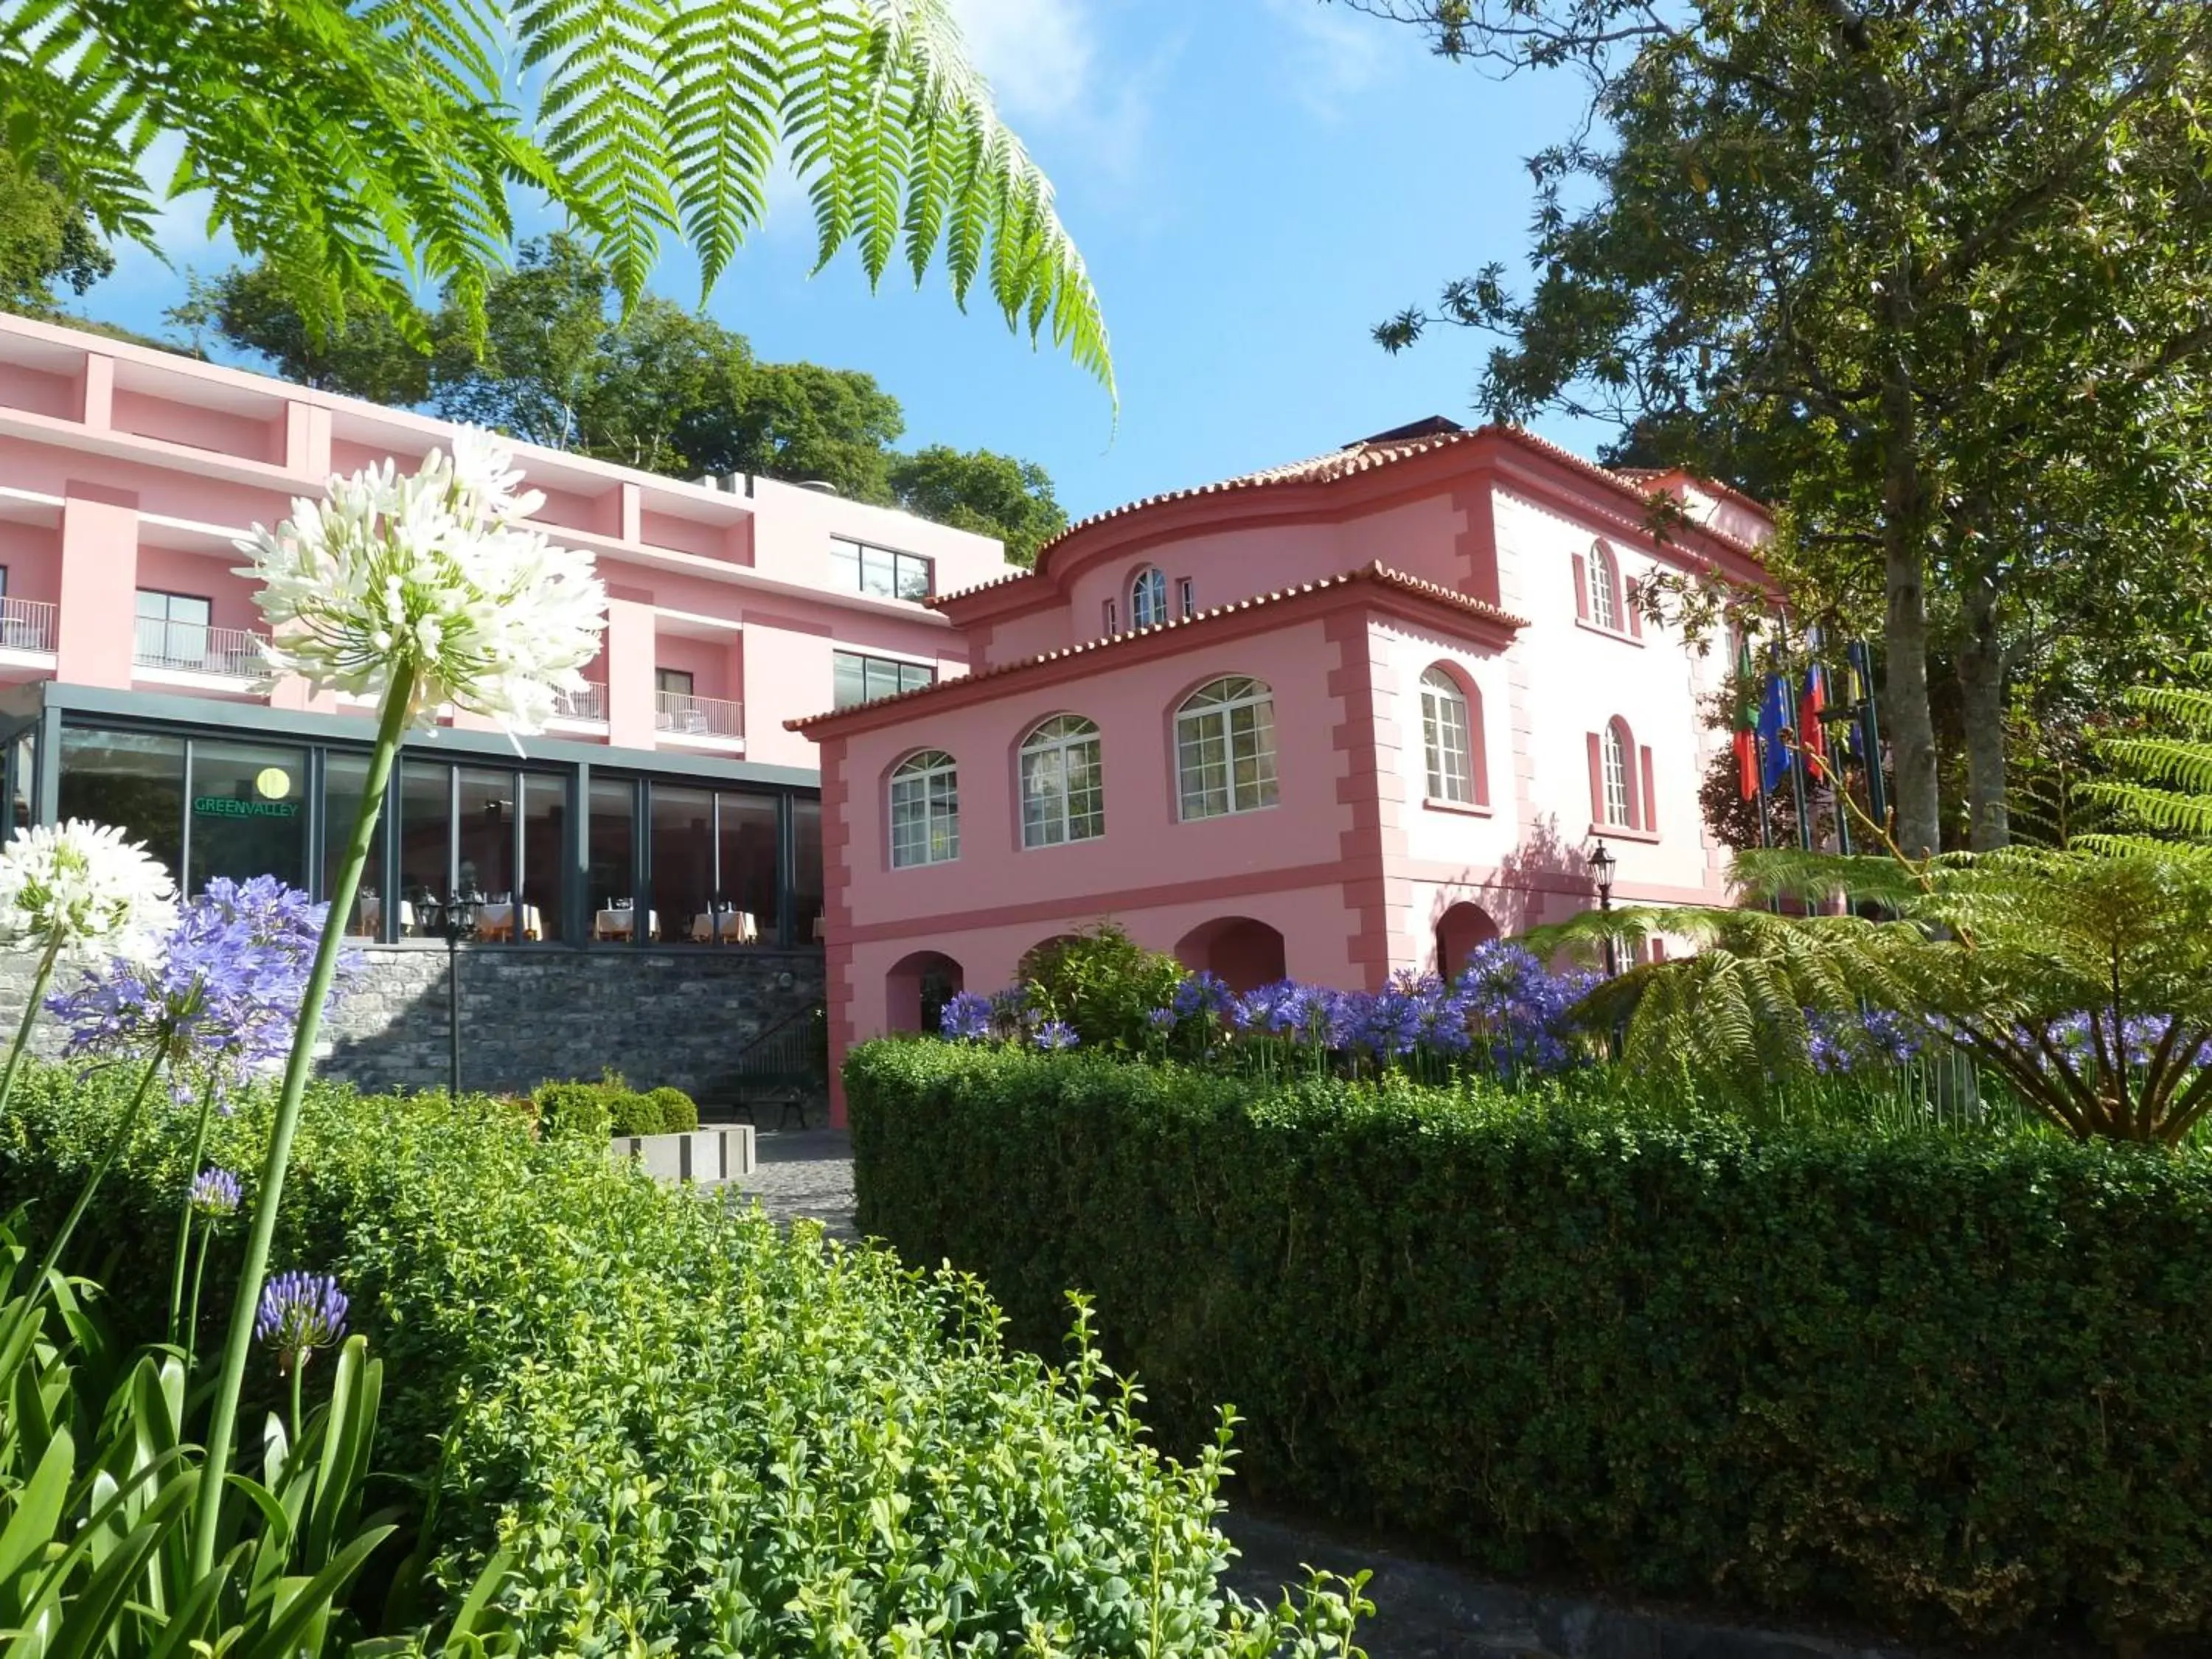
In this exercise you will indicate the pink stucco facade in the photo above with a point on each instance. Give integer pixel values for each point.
(1476, 558)
(125, 470)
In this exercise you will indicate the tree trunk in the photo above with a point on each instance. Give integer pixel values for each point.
(1912, 726)
(1981, 702)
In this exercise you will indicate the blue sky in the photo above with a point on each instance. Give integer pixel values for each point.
(1255, 183)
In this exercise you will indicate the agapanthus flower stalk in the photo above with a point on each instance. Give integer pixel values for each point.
(298, 1313)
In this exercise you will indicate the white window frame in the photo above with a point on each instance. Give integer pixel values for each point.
(1148, 598)
(1604, 590)
(884, 572)
(925, 810)
(1063, 783)
(1225, 748)
(1448, 739)
(1614, 787)
(905, 676)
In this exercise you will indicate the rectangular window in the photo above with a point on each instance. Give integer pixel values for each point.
(613, 839)
(22, 780)
(485, 836)
(249, 813)
(173, 629)
(677, 681)
(746, 873)
(881, 571)
(806, 918)
(858, 679)
(344, 779)
(544, 852)
(1189, 595)
(1112, 624)
(426, 844)
(682, 861)
(132, 779)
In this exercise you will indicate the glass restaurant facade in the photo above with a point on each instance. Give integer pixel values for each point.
(566, 844)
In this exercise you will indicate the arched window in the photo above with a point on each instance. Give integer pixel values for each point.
(1225, 748)
(1148, 598)
(1617, 793)
(1604, 587)
(925, 810)
(1448, 739)
(1063, 785)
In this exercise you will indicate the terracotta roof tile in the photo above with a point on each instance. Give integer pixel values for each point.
(1379, 573)
(1352, 460)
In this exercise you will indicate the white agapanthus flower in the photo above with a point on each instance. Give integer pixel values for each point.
(434, 570)
(82, 887)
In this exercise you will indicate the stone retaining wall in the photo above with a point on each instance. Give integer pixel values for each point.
(657, 1016)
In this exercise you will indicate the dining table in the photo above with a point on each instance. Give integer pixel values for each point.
(372, 917)
(725, 927)
(622, 924)
(496, 921)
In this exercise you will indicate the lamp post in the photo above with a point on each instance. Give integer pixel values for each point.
(1601, 868)
(457, 922)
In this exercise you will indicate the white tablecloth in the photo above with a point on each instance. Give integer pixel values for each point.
(619, 924)
(732, 926)
(372, 916)
(497, 921)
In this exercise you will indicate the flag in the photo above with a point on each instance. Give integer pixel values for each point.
(1774, 718)
(1810, 728)
(1747, 721)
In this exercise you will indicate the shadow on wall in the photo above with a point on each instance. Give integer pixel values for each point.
(1544, 879)
(660, 1017)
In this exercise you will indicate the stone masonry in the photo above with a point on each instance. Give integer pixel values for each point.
(657, 1016)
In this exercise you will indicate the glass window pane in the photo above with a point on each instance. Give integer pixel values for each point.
(613, 831)
(249, 813)
(748, 859)
(913, 577)
(487, 842)
(22, 780)
(426, 872)
(344, 777)
(544, 852)
(682, 860)
(851, 684)
(807, 872)
(132, 779)
(913, 676)
(876, 573)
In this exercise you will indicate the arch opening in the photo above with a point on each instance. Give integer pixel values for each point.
(916, 989)
(1460, 930)
(1242, 953)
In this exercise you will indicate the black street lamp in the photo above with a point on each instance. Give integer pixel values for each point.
(457, 922)
(1601, 868)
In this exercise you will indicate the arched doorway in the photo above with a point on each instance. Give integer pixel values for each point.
(917, 988)
(1243, 953)
(1459, 930)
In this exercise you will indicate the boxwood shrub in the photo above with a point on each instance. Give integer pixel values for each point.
(698, 1433)
(1960, 1385)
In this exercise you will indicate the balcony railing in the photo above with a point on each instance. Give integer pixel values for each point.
(698, 717)
(588, 704)
(197, 648)
(27, 625)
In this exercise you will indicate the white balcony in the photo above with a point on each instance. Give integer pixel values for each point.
(198, 649)
(588, 705)
(27, 627)
(714, 722)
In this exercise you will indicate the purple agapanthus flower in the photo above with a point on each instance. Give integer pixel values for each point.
(967, 1017)
(214, 1192)
(1873, 1036)
(1201, 993)
(1163, 1019)
(1056, 1034)
(299, 1314)
(225, 995)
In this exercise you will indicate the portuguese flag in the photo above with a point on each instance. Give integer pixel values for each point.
(1747, 725)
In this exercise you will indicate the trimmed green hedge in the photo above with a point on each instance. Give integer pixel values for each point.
(1960, 1385)
(592, 1111)
(700, 1434)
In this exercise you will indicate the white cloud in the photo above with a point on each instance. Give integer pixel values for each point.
(1046, 66)
(1332, 56)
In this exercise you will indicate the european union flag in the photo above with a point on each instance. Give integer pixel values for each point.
(1775, 717)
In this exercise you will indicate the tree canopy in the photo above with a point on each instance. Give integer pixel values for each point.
(355, 148)
(1934, 275)
(554, 359)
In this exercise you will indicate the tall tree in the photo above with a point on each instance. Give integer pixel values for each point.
(977, 490)
(365, 354)
(354, 146)
(44, 240)
(1943, 268)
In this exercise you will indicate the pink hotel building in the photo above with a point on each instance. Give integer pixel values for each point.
(1334, 719)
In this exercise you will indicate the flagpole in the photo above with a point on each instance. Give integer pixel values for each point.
(1870, 733)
